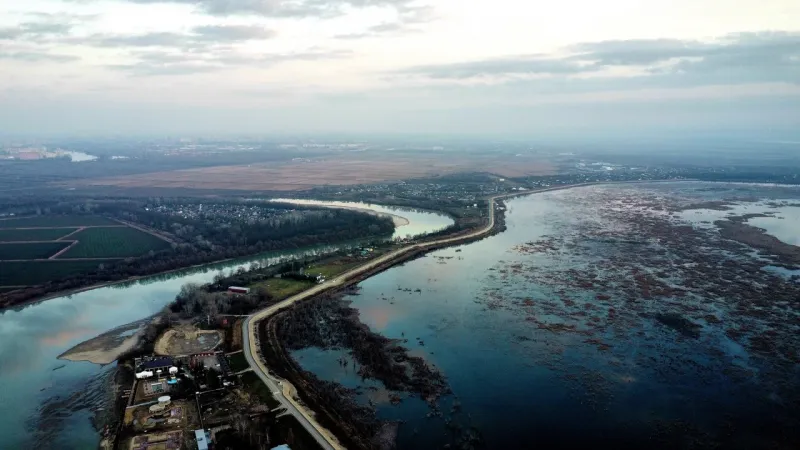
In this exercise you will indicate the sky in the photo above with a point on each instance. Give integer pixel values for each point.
(401, 66)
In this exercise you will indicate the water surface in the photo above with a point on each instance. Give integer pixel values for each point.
(566, 330)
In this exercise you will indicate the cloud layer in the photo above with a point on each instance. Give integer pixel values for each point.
(278, 8)
(734, 58)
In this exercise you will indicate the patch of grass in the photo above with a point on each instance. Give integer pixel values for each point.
(281, 288)
(56, 221)
(332, 269)
(254, 385)
(39, 250)
(113, 243)
(238, 362)
(32, 273)
(42, 234)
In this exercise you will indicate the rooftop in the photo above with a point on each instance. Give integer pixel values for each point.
(157, 363)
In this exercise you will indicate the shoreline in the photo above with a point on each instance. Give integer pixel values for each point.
(107, 347)
(399, 221)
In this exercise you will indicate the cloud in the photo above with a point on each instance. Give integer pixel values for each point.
(233, 33)
(154, 63)
(526, 64)
(735, 58)
(36, 31)
(279, 8)
(199, 37)
(161, 39)
(408, 17)
(36, 56)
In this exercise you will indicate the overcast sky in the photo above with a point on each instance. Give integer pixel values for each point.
(449, 66)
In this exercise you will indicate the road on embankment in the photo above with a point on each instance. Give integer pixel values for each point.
(283, 391)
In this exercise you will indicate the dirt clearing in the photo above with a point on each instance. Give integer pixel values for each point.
(187, 340)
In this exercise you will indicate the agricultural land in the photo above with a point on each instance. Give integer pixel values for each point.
(36, 250)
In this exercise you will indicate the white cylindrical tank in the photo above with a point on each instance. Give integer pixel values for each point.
(157, 408)
(173, 370)
(164, 399)
(144, 374)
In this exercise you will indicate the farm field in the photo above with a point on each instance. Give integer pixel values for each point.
(118, 242)
(281, 288)
(31, 273)
(56, 221)
(33, 234)
(363, 168)
(37, 250)
(332, 269)
(26, 243)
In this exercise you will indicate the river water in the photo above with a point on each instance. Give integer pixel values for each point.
(567, 331)
(419, 221)
(48, 403)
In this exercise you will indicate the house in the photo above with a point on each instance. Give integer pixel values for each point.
(155, 365)
(238, 290)
(202, 439)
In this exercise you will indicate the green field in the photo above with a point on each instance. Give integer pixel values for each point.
(56, 221)
(330, 270)
(31, 273)
(42, 234)
(254, 385)
(39, 250)
(113, 243)
(281, 288)
(238, 362)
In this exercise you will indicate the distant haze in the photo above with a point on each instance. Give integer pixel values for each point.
(412, 66)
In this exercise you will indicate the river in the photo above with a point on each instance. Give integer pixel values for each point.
(418, 221)
(602, 316)
(48, 403)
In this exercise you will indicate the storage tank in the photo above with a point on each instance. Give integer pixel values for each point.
(158, 407)
(173, 370)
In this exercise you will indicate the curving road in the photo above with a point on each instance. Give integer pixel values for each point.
(283, 391)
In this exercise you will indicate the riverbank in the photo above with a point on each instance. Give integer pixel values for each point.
(109, 346)
(399, 221)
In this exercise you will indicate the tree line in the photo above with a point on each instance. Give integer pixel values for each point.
(210, 242)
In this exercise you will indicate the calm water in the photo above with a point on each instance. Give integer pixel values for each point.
(420, 222)
(522, 385)
(46, 402)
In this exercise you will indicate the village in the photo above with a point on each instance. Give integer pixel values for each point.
(191, 386)
(195, 391)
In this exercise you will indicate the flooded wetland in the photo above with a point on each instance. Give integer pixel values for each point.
(663, 315)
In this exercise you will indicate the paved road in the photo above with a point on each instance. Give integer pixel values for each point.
(283, 391)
